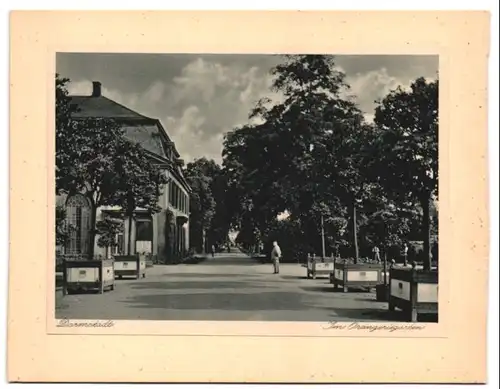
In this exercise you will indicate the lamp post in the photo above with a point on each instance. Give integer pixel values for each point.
(322, 222)
(322, 237)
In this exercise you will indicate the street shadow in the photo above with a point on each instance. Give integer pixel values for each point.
(294, 277)
(428, 318)
(60, 302)
(371, 299)
(263, 301)
(209, 275)
(325, 288)
(229, 262)
(351, 290)
(185, 285)
(85, 292)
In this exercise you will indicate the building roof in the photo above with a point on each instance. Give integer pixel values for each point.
(102, 107)
(146, 131)
(148, 136)
(138, 128)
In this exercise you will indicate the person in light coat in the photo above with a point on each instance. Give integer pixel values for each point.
(275, 257)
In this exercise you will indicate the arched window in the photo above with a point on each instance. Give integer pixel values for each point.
(78, 216)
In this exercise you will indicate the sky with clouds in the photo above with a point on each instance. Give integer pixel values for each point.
(198, 97)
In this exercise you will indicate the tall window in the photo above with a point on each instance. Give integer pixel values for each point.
(78, 215)
(177, 198)
(144, 230)
(119, 249)
(144, 234)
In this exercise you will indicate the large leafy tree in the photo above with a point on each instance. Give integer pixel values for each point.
(199, 175)
(346, 152)
(406, 161)
(94, 158)
(305, 153)
(220, 225)
(312, 107)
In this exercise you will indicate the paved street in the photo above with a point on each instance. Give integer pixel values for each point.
(227, 287)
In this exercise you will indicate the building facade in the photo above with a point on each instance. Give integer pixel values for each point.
(165, 235)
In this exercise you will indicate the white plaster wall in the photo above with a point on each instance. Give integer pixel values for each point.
(400, 289)
(324, 266)
(427, 293)
(358, 275)
(123, 265)
(144, 246)
(108, 273)
(88, 274)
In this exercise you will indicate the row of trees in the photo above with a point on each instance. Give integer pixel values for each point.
(313, 155)
(94, 158)
(209, 222)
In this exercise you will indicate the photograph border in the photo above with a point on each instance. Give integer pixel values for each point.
(463, 43)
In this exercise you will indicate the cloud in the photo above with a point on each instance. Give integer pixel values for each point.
(223, 96)
(83, 88)
(155, 91)
(374, 85)
(188, 129)
(198, 98)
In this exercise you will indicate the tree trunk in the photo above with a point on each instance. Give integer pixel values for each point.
(355, 233)
(426, 203)
(93, 217)
(129, 236)
(323, 250)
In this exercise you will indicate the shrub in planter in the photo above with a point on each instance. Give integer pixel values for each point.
(363, 273)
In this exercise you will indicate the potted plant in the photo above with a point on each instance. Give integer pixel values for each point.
(382, 290)
(361, 273)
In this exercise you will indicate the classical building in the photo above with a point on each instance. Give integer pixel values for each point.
(164, 234)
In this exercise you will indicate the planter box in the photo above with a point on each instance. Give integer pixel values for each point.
(382, 293)
(130, 266)
(151, 260)
(316, 266)
(88, 275)
(413, 291)
(360, 275)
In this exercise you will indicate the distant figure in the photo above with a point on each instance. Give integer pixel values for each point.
(376, 254)
(212, 250)
(275, 256)
(228, 248)
(405, 254)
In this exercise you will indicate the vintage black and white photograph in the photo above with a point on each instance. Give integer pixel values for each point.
(246, 187)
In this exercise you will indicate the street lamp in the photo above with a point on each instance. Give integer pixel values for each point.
(322, 223)
(322, 236)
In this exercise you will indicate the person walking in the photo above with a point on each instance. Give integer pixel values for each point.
(376, 254)
(275, 257)
(212, 251)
